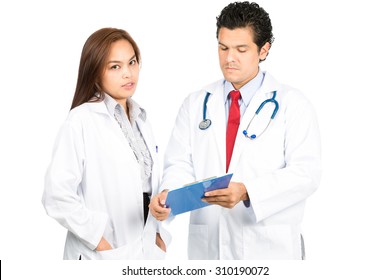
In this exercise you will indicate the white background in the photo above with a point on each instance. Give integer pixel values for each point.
(336, 52)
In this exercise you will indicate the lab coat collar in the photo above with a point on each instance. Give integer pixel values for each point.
(214, 87)
(108, 107)
(268, 85)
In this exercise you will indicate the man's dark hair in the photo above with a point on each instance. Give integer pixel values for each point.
(245, 14)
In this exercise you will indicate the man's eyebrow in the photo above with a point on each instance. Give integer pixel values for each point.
(238, 46)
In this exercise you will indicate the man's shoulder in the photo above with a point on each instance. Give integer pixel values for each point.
(209, 88)
(284, 91)
(214, 86)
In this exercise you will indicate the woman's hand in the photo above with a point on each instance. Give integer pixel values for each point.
(160, 243)
(103, 245)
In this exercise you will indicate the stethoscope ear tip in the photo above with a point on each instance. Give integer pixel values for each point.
(245, 132)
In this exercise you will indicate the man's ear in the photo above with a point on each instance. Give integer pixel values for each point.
(264, 51)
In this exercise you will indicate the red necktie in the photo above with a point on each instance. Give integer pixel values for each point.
(232, 126)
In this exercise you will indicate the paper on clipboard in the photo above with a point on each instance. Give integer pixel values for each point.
(189, 197)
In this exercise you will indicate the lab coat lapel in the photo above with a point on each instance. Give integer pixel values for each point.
(216, 113)
(240, 138)
(265, 92)
(147, 134)
(101, 108)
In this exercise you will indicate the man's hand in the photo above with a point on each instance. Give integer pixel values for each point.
(228, 197)
(157, 206)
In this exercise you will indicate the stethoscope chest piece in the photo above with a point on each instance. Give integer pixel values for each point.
(205, 124)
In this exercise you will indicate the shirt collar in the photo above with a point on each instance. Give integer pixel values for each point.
(248, 90)
(136, 111)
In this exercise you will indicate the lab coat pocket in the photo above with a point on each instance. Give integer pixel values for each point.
(120, 253)
(268, 242)
(198, 242)
(158, 254)
(152, 251)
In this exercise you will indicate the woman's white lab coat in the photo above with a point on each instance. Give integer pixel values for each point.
(93, 188)
(280, 170)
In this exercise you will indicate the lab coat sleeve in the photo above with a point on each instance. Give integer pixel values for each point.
(274, 191)
(178, 165)
(63, 179)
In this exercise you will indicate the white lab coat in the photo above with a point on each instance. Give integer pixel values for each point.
(280, 170)
(93, 188)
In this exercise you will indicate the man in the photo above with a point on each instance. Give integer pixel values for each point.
(275, 160)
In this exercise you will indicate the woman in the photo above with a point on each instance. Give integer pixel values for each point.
(104, 164)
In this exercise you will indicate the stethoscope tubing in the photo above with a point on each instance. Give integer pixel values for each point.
(205, 123)
(269, 100)
(272, 100)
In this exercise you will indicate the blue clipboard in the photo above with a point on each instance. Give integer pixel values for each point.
(189, 197)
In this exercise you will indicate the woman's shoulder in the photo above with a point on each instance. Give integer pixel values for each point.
(88, 108)
(86, 111)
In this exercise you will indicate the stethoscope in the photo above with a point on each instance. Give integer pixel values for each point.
(205, 123)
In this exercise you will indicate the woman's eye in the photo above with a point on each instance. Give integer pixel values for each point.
(133, 62)
(115, 67)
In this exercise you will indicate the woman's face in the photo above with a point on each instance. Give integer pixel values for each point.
(120, 74)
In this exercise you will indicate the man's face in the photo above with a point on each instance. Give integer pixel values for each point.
(239, 56)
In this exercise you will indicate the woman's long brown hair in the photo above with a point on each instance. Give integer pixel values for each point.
(92, 62)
